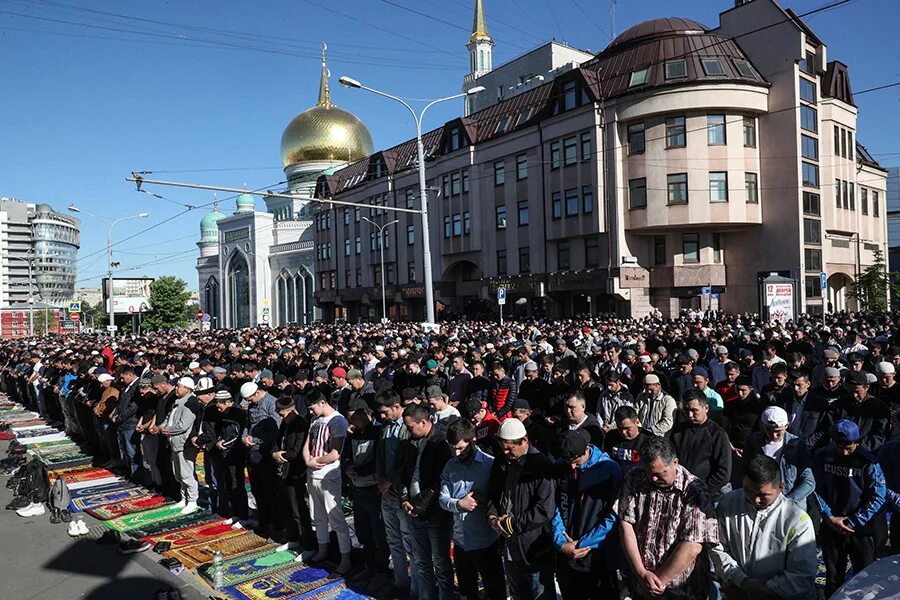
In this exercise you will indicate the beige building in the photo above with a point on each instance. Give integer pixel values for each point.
(679, 160)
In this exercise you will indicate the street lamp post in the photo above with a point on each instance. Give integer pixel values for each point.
(420, 155)
(29, 260)
(109, 261)
(381, 229)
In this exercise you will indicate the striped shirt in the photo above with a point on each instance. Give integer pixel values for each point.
(327, 434)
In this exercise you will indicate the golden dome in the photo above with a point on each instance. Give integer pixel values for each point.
(325, 132)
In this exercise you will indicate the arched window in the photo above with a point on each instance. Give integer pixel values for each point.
(238, 291)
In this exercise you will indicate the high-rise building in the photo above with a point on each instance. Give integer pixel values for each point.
(893, 217)
(45, 238)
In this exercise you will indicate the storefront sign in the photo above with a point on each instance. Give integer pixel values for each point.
(633, 278)
(780, 301)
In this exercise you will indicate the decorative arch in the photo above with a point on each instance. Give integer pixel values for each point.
(237, 281)
(838, 299)
(212, 300)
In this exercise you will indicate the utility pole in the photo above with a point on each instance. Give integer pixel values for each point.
(381, 229)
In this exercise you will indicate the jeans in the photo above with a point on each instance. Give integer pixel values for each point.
(212, 469)
(397, 539)
(530, 582)
(297, 520)
(370, 526)
(325, 501)
(487, 563)
(431, 555)
(128, 451)
(233, 490)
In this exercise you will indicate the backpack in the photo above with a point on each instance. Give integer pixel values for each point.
(59, 497)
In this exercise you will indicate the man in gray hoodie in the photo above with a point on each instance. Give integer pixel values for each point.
(177, 428)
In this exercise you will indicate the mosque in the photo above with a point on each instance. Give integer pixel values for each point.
(258, 268)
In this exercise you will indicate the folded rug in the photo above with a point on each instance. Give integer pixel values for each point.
(144, 518)
(172, 524)
(112, 511)
(195, 534)
(118, 486)
(245, 567)
(80, 504)
(237, 546)
(89, 474)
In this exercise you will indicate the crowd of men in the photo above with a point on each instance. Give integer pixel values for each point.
(660, 458)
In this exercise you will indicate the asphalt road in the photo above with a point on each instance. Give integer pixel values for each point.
(39, 560)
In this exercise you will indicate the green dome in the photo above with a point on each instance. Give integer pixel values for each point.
(209, 230)
(245, 203)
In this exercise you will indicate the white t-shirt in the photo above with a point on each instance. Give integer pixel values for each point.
(322, 434)
(773, 449)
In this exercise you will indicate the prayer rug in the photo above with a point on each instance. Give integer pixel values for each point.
(199, 554)
(285, 584)
(80, 504)
(172, 524)
(62, 459)
(27, 441)
(195, 534)
(144, 518)
(31, 434)
(54, 473)
(336, 590)
(91, 474)
(103, 489)
(41, 445)
(74, 462)
(112, 511)
(245, 567)
(79, 485)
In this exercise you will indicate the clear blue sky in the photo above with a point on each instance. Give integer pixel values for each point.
(189, 86)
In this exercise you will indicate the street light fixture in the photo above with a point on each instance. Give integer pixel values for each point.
(109, 263)
(381, 229)
(420, 155)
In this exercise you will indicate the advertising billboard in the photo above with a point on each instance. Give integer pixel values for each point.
(130, 295)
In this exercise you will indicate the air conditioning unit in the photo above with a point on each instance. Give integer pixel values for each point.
(501, 224)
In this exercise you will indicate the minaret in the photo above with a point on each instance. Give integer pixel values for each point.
(480, 46)
(324, 91)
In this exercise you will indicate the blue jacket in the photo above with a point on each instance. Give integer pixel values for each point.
(584, 507)
(889, 460)
(850, 486)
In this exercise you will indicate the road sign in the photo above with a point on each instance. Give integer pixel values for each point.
(199, 314)
(501, 296)
(823, 280)
(206, 318)
(74, 316)
(266, 310)
(706, 291)
(111, 328)
(131, 308)
(75, 307)
(265, 318)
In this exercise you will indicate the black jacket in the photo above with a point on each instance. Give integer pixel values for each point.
(524, 489)
(872, 416)
(740, 418)
(705, 451)
(435, 455)
(291, 437)
(127, 409)
(228, 430)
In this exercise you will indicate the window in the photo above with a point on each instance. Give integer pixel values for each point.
(813, 286)
(524, 260)
(850, 145)
(587, 199)
(410, 235)
(359, 277)
(810, 174)
(586, 150)
(812, 259)
(808, 63)
(456, 139)
(846, 194)
(852, 187)
(751, 185)
(376, 274)
(712, 67)
(571, 202)
(348, 279)
(389, 273)
(744, 68)
(809, 147)
(807, 90)
(411, 271)
(715, 130)
(448, 226)
(591, 252)
(676, 69)
(501, 125)
(844, 143)
(750, 132)
(876, 209)
(358, 245)
(445, 187)
(500, 213)
(499, 173)
(675, 133)
(522, 209)
(837, 140)
(457, 225)
(570, 151)
(563, 256)
(346, 216)
(690, 247)
(659, 250)
(639, 77)
(410, 198)
(356, 215)
(467, 223)
(864, 200)
(812, 231)
(555, 155)
(637, 193)
(811, 204)
(636, 138)
(373, 241)
(718, 186)
(465, 181)
(522, 166)
(569, 96)
(347, 247)
(456, 183)
(837, 193)
(501, 262)
(556, 204)
(717, 247)
(809, 119)
(678, 190)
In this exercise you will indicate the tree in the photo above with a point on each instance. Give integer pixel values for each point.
(168, 299)
(44, 319)
(873, 285)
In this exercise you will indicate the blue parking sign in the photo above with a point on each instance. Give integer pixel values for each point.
(501, 295)
(823, 281)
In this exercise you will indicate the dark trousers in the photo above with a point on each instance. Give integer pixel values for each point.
(895, 533)
(485, 562)
(837, 548)
(263, 485)
(232, 492)
(585, 585)
(530, 581)
(370, 525)
(296, 516)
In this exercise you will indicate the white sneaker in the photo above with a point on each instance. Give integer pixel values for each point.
(181, 503)
(73, 529)
(288, 546)
(228, 521)
(189, 508)
(82, 528)
(237, 526)
(32, 510)
(304, 556)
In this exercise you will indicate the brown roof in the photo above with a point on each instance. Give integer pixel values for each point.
(657, 27)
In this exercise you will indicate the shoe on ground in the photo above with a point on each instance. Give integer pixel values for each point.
(110, 536)
(181, 503)
(73, 530)
(189, 508)
(236, 526)
(32, 510)
(65, 515)
(82, 527)
(133, 547)
(288, 546)
(55, 517)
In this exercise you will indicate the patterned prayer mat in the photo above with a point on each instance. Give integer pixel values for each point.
(111, 511)
(41, 445)
(75, 462)
(53, 473)
(245, 567)
(144, 518)
(199, 554)
(336, 590)
(65, 459)
(196, 534)
(37, 433)
(89, 502)
(91, 474)
(172, 524)
(118, 486)
(285, 584)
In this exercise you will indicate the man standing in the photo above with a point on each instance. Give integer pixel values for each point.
(702, 446)
(584, 529)
(850, 489)
(655, 409)
(177, 428)
(521, 507)
(263, 422)
(125, 418)
(807, 413)
(577, 417)
(871, 415)
(465, 484)
(767, 544)
(288, 456)
(502, 393)
(623, 443)
(667, 525)
(459, 380)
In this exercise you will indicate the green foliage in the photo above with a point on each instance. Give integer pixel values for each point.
(168, 299)
(42, 318)
(190, 312)
(873, 285)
